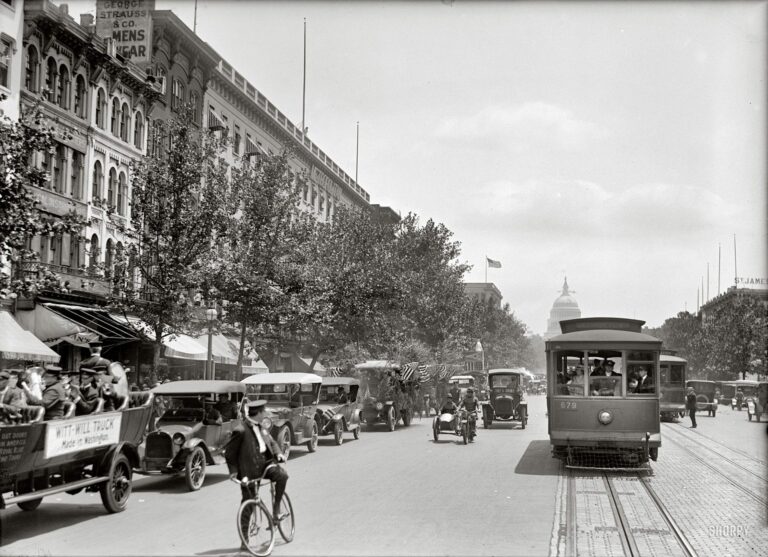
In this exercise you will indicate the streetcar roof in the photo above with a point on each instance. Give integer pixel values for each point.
(506, 371)
(199, 387)
(603, 335)
(280, 378)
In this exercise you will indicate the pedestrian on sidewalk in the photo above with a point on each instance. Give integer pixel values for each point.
(690, 402)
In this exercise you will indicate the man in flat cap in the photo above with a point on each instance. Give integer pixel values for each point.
(54, 396)
(250, 450)
(94, 388)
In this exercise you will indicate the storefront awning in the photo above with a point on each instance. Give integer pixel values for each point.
(96, 320)
(18, 344)
(184, 347)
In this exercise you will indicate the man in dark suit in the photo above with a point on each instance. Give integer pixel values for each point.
(644, 381)
(605, 370)
(250, 450)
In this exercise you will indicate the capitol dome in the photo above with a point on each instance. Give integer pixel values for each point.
(565, 307)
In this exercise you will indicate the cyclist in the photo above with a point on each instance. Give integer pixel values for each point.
(249, 451)
(472, 406)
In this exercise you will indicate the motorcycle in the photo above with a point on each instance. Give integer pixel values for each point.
(454, 421)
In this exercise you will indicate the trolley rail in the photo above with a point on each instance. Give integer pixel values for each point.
(617, 514)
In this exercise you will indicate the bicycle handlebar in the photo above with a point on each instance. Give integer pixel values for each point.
(245, 481)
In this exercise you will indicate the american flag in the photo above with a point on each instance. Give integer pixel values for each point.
(442, 372)
(406, 372)
(334, 371)
(423, 375)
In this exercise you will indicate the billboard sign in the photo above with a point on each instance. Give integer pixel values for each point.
(129, 24)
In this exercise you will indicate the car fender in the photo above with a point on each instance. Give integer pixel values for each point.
(355, 418)
(307, 430)
(120, 448)
(194, 442)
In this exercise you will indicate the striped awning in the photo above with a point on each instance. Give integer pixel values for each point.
(214, 122)
(97, 320)
(253, 148)
(18, 344)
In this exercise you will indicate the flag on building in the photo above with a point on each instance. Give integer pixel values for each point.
(492, 263)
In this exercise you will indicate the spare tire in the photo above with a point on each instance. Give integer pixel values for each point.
(702, 402)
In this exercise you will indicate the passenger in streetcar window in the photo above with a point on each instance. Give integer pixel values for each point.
(645, 382)
(576, 382)
(606, 369)
(632, 386)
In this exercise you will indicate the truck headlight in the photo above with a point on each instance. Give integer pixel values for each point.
(178, 439)
(379, 406)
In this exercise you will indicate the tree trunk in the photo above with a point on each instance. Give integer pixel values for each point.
(158, 345)
(315, 356)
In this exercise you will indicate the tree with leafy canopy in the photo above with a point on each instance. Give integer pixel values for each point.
(683, 333)
(179, 211)
(501, 334)
(255, 259)
(20, 217)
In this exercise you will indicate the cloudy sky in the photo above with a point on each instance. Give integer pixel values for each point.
(616, 143)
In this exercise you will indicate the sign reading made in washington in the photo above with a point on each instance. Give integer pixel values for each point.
(129, 24)
(77, 434)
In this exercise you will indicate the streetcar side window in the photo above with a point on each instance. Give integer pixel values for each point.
(606, 374)
(570, 379)
(641, 379)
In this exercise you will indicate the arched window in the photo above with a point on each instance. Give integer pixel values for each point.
(81, 97)
(177, 94)
(122, 194)
(32, 71)
(101, 108)
(138, 130)
(78, 174)
(98, 183)
(62, 95)
(108, 259)
(115, 122)
(95, 250)
(125, 122)
(50, 79)
(111, 187)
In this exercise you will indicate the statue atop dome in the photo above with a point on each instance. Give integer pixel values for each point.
(564, 307)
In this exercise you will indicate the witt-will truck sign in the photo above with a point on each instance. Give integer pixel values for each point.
(129, 24)
(79, 434)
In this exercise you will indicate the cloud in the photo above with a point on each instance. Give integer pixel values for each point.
(523, 127)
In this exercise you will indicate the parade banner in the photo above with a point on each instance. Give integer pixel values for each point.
(78, 434)
(129, 24)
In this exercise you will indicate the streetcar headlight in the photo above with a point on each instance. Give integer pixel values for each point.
(605, 417)
(379, 406)
(178, 439)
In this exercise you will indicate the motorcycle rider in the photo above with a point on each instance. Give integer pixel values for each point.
(472, 406)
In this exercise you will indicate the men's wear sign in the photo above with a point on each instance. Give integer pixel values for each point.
(78, 434)
(129, 24)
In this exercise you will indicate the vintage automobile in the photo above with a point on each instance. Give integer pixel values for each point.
(388, 398)
(95, 452)
(705, 395)
(462, 382)
(743, 387)
(333, 417)
(194, 429)
(757, 404)
(292, 399)
(506, 400)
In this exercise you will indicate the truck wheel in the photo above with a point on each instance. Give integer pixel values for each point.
(194, 469)
(30, 505)
(116, 490)
(312, 443)
(391, 420)
(338, 432)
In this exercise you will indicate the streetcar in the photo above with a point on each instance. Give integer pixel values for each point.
(603, 393)
(672, 383)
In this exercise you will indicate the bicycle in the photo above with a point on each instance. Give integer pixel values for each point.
(258, 514)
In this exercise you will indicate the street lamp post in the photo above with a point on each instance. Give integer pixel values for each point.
(210, 315)
(479, 348)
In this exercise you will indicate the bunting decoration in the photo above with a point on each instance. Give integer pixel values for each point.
(406, 372)
(334, 371)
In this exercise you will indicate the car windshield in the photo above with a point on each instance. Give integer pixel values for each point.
(504, 381)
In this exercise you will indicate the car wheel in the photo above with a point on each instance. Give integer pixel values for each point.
(653, 452)
(407, 417)
(116, 490)
(338, 432)
(749, 416)
(436, 428)
(391, 420)
(523, 417)
(356, 431)
(284, 440)
(465, 432)
(30, 505)
(194, 469)
(312, 443)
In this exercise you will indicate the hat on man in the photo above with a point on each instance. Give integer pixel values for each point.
(89, 371)
(253, 408)
(609, 362)
(53, 370)
(5, 374)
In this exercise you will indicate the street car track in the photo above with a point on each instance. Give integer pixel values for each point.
(690, 435)
(736, 467)
(641, 522)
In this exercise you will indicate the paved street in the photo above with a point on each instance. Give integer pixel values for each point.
(402, 494)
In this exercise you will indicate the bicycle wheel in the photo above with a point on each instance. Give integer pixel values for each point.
(287, 525)
(255, 527)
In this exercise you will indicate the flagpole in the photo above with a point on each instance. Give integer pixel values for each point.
(194, 25)
(357, 150)
(735, 269)
(718, 269)
(486, 268)
(304, 82)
